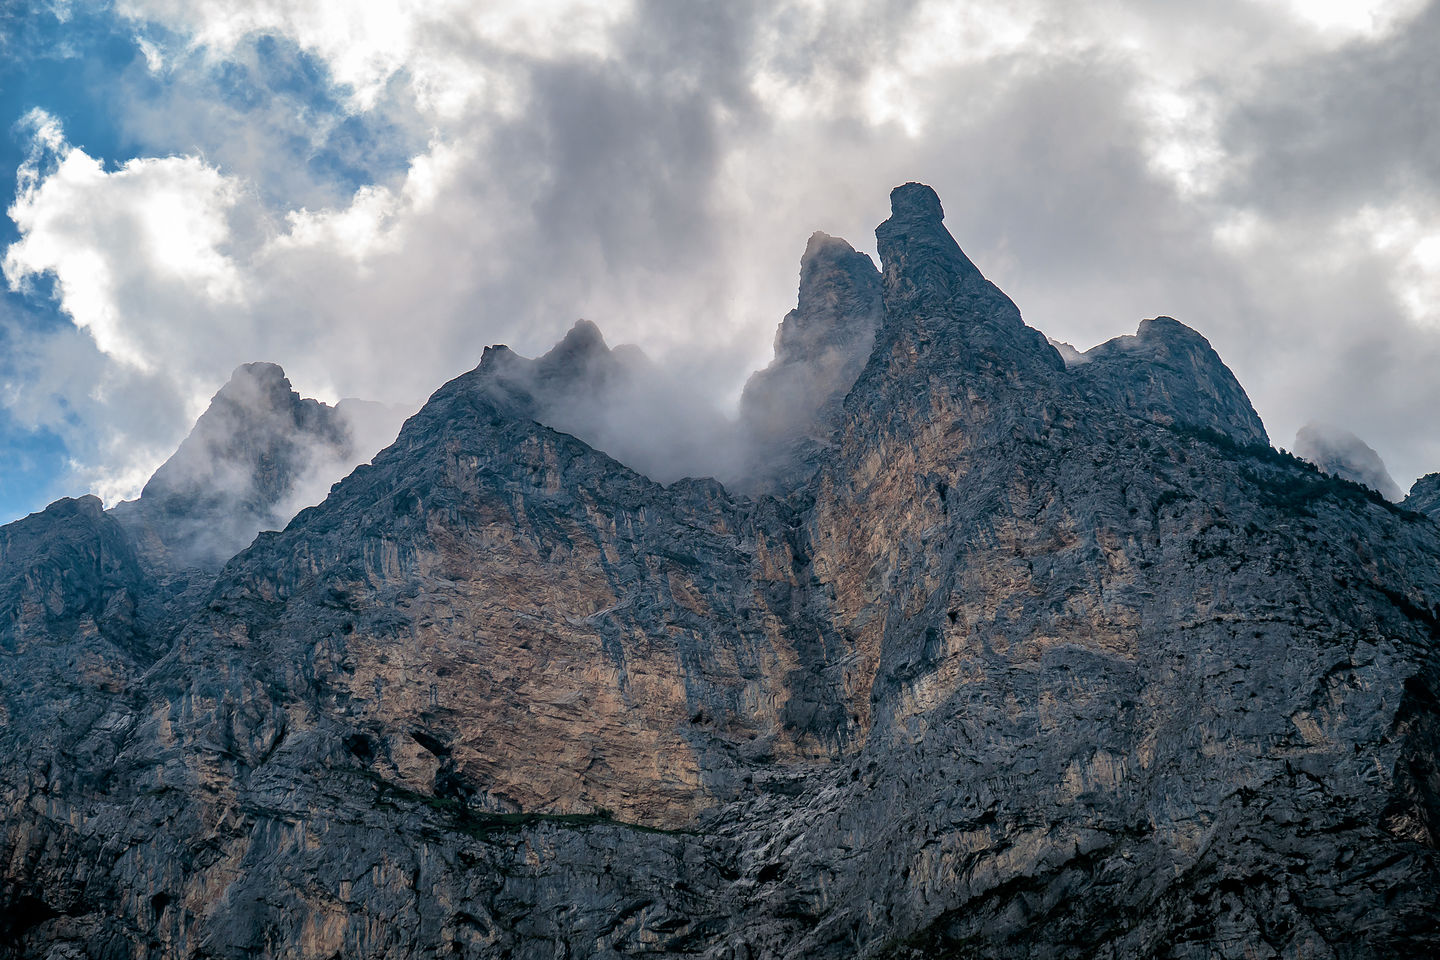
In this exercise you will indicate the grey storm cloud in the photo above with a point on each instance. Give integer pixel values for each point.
(1326, 133)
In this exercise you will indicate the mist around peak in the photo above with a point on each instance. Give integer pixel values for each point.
(789, 410)
(261, 452)
(623, 403)
(1338, 451)
(258, 455)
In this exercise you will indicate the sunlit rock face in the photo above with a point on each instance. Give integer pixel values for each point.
(1028, 659)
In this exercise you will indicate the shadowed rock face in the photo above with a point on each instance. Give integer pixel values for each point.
(1170, 374)
(1424, 495)
(1345, 455)
(789, 410)
(1034, 661)
(241, 469)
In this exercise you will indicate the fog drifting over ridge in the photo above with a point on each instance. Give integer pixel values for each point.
(656, 167)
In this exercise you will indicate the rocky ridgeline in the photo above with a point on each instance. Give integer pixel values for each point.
(1019, 659)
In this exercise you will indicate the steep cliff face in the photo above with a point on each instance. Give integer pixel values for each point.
(1030, 660)
(79, 624)
(1115, 663)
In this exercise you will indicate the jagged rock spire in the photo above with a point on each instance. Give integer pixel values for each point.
(919, 254)
(789, 410)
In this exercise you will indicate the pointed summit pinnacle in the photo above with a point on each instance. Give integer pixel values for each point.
(916, 201)
(920, 257)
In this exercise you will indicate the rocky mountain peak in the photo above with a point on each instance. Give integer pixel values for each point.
(1169, 373)
(1424, 496)
(919, 254)
(1022, 668)
(615, 399)
(839, 300)
(250, 443)
(915, 201)
(1338, 451)
(789, 409)
(579, 354)
(250, 461)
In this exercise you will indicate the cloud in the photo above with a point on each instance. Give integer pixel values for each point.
(434, 44)
(370, 197)
(120, 243)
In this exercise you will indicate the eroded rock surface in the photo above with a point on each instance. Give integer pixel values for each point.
(1033, 661)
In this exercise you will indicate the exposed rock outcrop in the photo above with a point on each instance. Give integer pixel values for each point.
(1424, 495)
(1169, 373)
(1035, 661)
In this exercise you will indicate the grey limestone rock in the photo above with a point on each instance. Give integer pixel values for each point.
(789, 410)
(1169, 373)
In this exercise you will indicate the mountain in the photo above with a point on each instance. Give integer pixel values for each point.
(1424, 495)
(1343, 454)
(619, 401)
(1009, 657)
(236, 472)
(257, 455)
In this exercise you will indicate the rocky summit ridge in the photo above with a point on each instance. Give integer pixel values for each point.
(1004, 656)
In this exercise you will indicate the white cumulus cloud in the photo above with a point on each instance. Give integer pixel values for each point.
(656, 167)
(120, 243)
